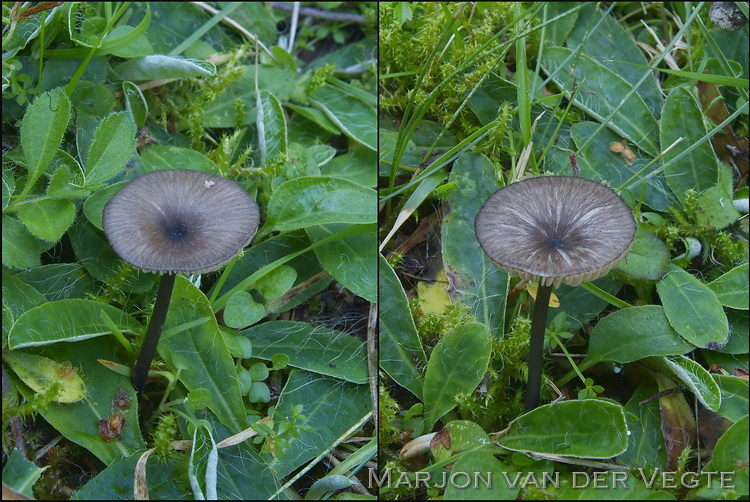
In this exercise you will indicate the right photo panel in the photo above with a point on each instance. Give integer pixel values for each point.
(563, 237)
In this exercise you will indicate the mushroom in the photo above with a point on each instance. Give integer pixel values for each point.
(177, 221)
(555, 230)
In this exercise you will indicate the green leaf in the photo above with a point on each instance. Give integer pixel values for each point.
(598, 162)
(18, 297)
(114, 144)
(339, 405)
(68, 321)
(327, 485)
(79, 421)
(582, 429)
(400, 349)
(242, 310)
(455, 437)
(93, 206)
(487, 466)
(682, 118)
(201, 353)
(732, 288)
(356, 166)
(648, 258)
(457, 365)
(634, 333)
(319, 200)
(645, 441)
(277, 282)
(157, 157)
(271, 124)
(693, 309)
(259, 393)
(613, 41)
(21, 474)
(20, 249)
(166, 481)
(633, 121)
(135, 103)
(42, 131)
(474, 280)
(732, 454)
(159, 66)
(48, 219)
(693, 376)
(715, 209)
(59, 281)
(312, 348)
(735, 397)
(316, 116)
(354, 117)
(352, 262)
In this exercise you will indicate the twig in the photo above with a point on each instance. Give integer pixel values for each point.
(322, 14)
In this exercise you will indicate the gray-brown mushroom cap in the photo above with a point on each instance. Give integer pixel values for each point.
(555, 229)
(180, 221)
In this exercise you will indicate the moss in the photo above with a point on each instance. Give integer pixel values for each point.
(424, 39)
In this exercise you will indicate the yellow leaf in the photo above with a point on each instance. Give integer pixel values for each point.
(40, 373)
(554, 302)
(433, 296)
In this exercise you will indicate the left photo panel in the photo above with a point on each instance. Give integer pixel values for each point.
(190, 263)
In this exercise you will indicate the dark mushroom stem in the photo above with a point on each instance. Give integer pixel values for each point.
(538, 327)
(151, 340)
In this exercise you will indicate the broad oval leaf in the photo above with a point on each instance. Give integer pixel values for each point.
(634, 121)
(319, 200)
(693, 309)
(473, 279)
(610, 44)
(682, 118)
(357, 119)
(42, 130)
(457, 365)
(20, 249)
(648, 257)
(201, 353)
(242, 310)
(732, 288)
(334, 405)
(312, 348)
(598, 162)
(114, 144)
(693, 376)
(634, 333)
(157, 157)
(731, 453)
(400, 348)
(582, 429)
(352, 262)
(735, 396)
(48, 219)
(68, 321)
(276, 282)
